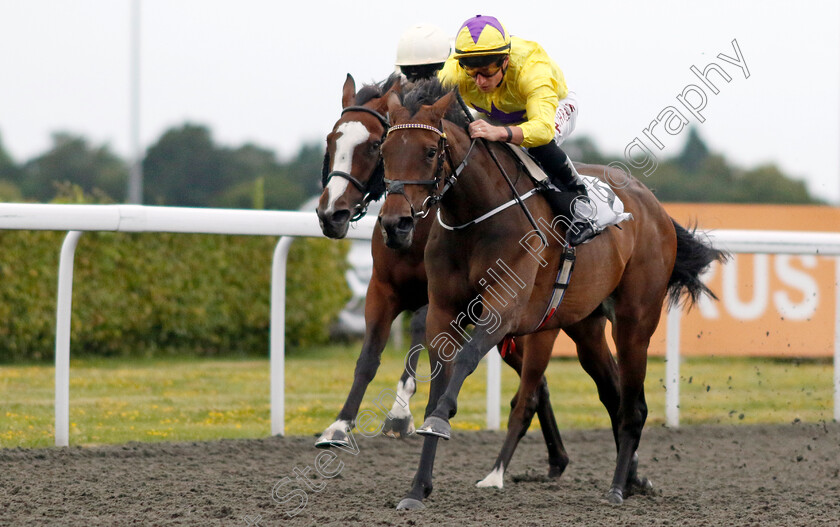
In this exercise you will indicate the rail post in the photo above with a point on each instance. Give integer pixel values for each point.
(277, 352)
(64, 306)
(672, 367)
(494, 388)
(837, 338)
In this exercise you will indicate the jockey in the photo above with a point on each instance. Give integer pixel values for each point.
(521, 91)
(422, 51)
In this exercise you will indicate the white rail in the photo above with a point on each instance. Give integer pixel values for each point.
(756, 242)
(139, 218)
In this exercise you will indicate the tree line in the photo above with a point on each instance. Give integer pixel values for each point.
(187, 167)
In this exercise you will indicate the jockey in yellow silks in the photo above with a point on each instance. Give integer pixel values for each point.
(523, 98)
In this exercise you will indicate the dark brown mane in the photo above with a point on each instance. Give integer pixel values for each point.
(428, 91)
(377, 89)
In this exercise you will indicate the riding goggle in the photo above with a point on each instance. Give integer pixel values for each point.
(484, 71)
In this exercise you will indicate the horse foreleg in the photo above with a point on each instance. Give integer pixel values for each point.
(532, 387)
(381, 308)
(465, 362)
(558, 459)
(421, 486)
(522, 414)
(399, 422)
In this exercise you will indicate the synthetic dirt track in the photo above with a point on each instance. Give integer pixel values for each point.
(719, 476)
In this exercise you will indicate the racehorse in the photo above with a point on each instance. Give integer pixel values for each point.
(353, 176)
(498, 275)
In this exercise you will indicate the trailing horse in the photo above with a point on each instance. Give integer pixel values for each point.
(498, 275)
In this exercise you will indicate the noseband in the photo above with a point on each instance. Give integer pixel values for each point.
(364, 188)
(397, 186)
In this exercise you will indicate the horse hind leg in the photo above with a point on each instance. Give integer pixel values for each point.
(399, 423)
(597, 361)
(632, 336)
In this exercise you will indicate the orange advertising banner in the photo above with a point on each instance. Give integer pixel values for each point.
(770, 305)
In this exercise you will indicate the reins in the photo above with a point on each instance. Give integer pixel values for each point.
(487, 215)
(516, 196)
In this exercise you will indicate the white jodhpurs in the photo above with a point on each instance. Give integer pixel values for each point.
(565, 118)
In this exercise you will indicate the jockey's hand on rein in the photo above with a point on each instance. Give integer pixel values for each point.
(486, 130)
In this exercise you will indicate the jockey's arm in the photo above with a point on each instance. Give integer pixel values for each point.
(545, 88)
(536, 131)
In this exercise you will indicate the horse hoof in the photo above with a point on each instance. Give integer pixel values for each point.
(399, 428)
(641, 486)
(615, 496)
(410, 504)
(333, 438)
(494, 480)
(435, 426)
(555, 471)
(556, 467)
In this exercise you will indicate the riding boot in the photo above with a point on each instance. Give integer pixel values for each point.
(562, 173)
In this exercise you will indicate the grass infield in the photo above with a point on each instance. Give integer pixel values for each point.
(120, 400)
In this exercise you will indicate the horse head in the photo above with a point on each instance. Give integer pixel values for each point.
(414, 155)
(352, 175)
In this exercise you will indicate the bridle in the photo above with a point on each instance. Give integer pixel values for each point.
(397, 186)
(364, 188)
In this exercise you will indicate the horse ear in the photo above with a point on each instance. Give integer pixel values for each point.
(348, 93)
(396, 87)
(382, 102)
(440, 108)
(396, 110)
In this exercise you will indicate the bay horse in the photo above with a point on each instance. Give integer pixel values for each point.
(352, 177)
(497, 275)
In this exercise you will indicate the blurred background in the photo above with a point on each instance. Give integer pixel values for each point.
(234, 99)
(227, 104)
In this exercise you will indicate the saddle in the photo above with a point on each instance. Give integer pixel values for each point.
(605, 207)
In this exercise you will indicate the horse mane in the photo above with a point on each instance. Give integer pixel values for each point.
(376, 89)
(428, 91)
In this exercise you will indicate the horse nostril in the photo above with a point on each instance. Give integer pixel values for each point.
(405, 223)
(340, 216)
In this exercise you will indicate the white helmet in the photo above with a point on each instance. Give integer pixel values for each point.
(423, 44)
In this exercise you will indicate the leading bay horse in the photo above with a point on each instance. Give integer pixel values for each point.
(352, 177)
(498, 275)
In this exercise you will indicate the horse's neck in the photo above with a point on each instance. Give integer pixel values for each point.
(481, 187)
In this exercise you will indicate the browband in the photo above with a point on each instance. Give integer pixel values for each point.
(416, 125)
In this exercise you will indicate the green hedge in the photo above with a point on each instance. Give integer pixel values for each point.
(154, 294)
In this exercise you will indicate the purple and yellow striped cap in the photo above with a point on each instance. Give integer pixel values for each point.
(481, 35)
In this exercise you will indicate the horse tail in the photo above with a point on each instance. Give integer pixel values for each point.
(694, 256)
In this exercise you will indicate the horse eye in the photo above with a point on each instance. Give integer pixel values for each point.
(375, 146)
(431, 153)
